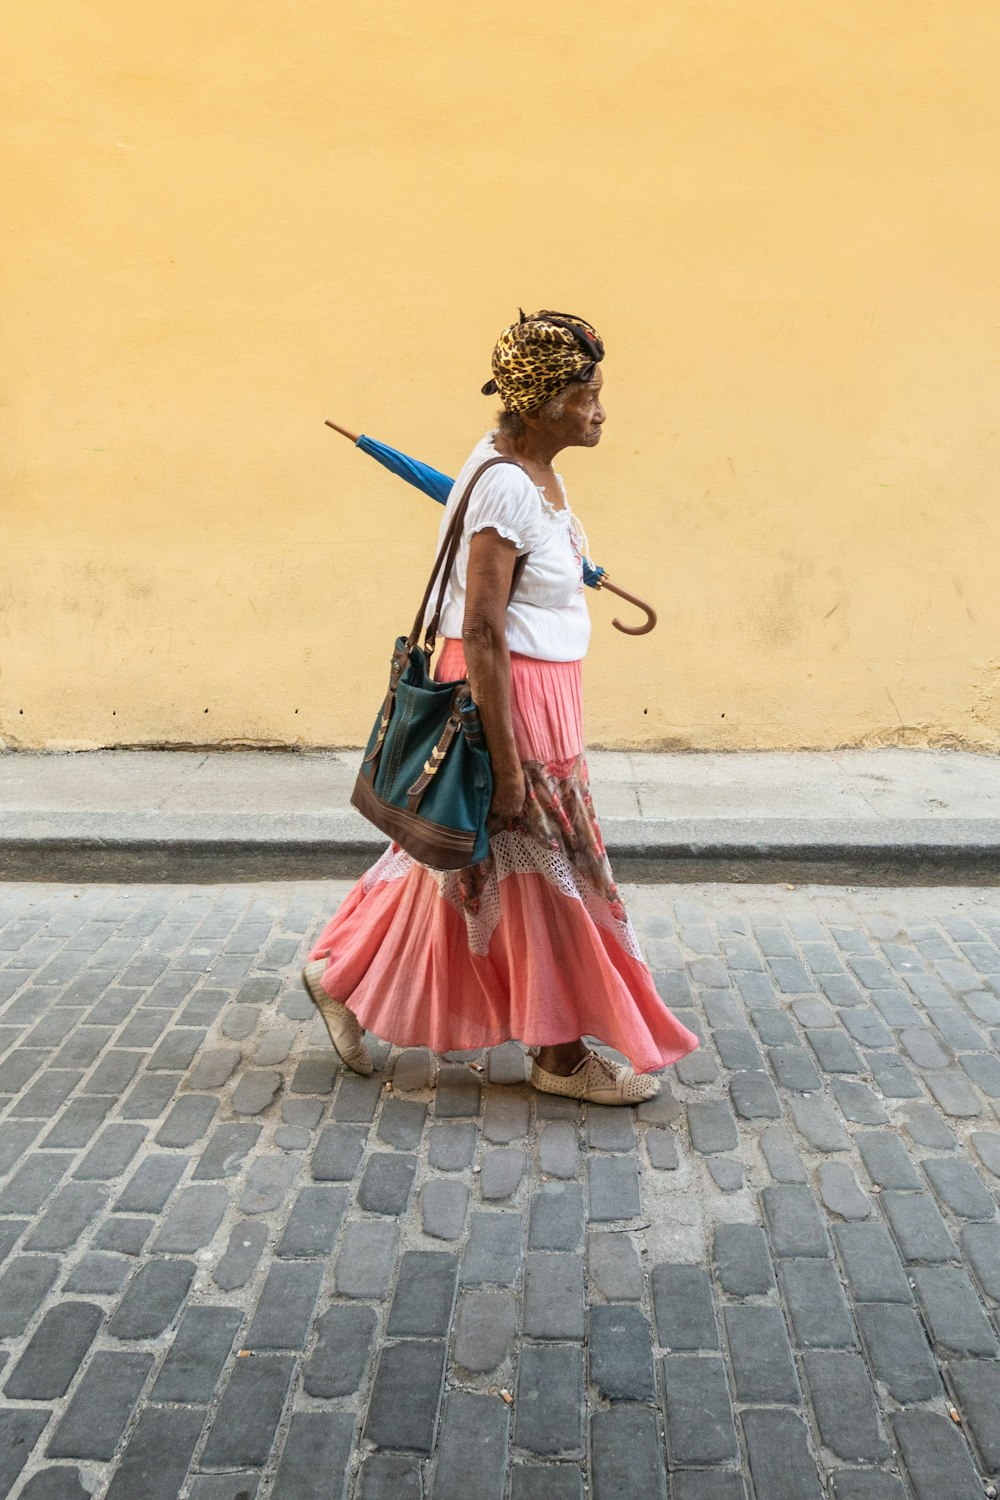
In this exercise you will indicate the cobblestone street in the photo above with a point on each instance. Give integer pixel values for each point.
(230, 1271)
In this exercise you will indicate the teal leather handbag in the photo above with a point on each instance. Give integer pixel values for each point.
(426, 779)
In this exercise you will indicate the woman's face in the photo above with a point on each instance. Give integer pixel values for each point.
(579, 423)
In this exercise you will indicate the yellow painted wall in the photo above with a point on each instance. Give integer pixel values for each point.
(228, 221)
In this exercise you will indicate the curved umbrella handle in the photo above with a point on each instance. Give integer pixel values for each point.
(650, 621)
(342, 430)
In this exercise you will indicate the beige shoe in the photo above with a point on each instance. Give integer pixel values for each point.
(597, 1080)
(343, 1025)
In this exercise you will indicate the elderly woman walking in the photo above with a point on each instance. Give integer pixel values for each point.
(534, 942)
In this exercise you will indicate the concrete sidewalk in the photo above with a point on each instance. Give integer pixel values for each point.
(852, 815)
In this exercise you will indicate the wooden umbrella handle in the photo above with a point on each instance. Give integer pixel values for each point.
(344, 432)
(650, 621)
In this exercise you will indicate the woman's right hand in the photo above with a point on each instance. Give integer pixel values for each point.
(509, 792)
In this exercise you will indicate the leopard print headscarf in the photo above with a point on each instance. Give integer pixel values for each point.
(539, 355)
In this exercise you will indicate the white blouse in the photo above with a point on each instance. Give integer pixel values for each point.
(547, 617)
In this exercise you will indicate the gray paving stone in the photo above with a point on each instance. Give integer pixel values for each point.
(246, 1244)
(386, 1183)
(857, 1103)
(613, 1266)
(302, 1114)
(506, 1064)
(925, 1126)
(126, 1235)
(558, 1149)
(920, 1231)
(485, 1327)
(627, 1455)
(339, 1362)
(819, 1123)
(987, 1148)
(33, 1182)
(412, 1070)
(548, 1403)
(839, 1190)
(458, 1093)
(317, 1073)
(784, 1162)
(357, 1098)
(958, 1031)
(923, 1048)
(20, 1430)
(712, 1127)
(661, 1148)
(267, 1185)
(742, 1260)
(953, 1313)
(795, 1070)
(556, 1217)
(401, 1123)
(754, 1096)
(936, 1459)
(314, 1222)
(813, 1012)
(152, 1299)
(316, 1456)
(406, 1395)
(898, 1352)
(111, 1152)
(845, 1407)
(984, 1072)
(501, 1173)
(451, 1145)
(245, 1424)
(255, 1091)
(366, 1259)
(506, 1117)
(113, 1073)
(390, 1476)
(54, 1352)
(796, 1224)
(976, 1384)
(553, 1296)
(696, 1068)
(100, 1407)
(816, 1304)
(781, 1464)
(76, 1125)
(149, 1097)
(699, 1418)
(954, 1095)
(284, 1311)
(187, 1121)
(727, 1175)
(240, 1486)
(867, 1028)
(476, 1424)
(238, 1022)
(443, 1208)
(57, 1483)
(197, 1355)
(338, 1153)
(763, 1367)
(703, 1484)
(73, 1208)
(738, 1049)
(841, 990)
(546, 1482)
(684, 1309)
(614, 1188)
(867, 1484)
(892, 1077)
(82, 1047)
(98, 1272)
(425, 1294)
(834, 1052)
(886, 1161)
(227, 1150)
(193, 1219)
(493, 1249)
(874, 1270)
(960, 1188)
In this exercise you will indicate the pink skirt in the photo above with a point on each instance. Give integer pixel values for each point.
(532, 944)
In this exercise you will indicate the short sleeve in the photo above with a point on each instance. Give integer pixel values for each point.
(505, 500)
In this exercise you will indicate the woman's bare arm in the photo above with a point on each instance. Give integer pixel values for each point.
(484, 638)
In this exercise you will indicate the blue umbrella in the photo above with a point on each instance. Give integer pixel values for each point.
(439, 486)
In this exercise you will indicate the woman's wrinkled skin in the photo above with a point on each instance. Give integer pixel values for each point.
(573, 419)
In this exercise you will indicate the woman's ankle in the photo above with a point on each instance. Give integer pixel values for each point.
(562, 1059)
